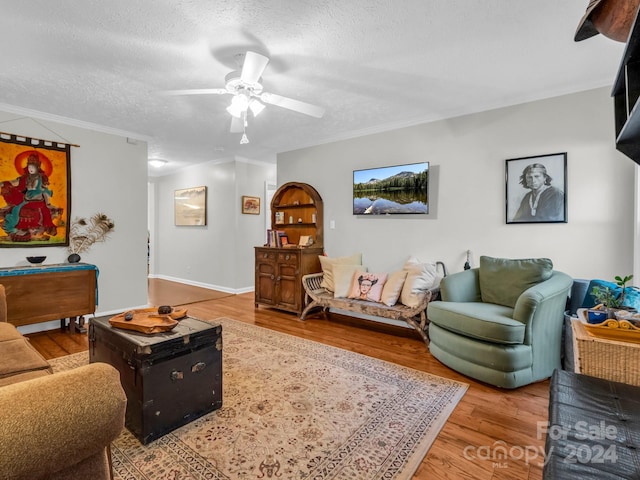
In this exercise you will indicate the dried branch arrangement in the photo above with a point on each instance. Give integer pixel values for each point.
(83, 233)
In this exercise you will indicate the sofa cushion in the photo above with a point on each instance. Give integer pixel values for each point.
(8, 332)
(483, 321)
(22, 377)
(503, 280)
(18, 356)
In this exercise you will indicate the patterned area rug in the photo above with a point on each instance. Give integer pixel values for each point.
(297, 409)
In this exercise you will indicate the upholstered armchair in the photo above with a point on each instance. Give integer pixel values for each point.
(56, 426)
(501, 323)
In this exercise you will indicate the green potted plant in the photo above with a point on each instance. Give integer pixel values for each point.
(609, 300)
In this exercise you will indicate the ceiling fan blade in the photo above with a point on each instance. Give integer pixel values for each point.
(237, 125)
(291, 104)
(197, 91)
(253, 66)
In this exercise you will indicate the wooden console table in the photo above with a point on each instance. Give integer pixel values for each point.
(50, 292)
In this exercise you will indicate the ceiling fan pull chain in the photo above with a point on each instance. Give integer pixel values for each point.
(244, 138)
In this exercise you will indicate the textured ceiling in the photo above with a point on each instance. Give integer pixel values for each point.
(372, 64)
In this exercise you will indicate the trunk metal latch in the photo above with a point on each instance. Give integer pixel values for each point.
(198, 367)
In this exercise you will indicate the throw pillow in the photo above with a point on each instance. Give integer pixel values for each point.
(393, 287)
(631, 295)
(327, 263)
(367, 286)
(503, 280)
(342, 278)
(421, 276)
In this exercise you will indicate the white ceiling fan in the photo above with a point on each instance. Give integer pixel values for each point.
(248, 94)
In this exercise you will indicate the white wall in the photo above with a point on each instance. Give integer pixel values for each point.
(220, 254)
(467, 156)
(108, 175)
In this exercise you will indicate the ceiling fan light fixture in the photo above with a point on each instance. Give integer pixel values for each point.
(239, 104)
(244, 139)
(234, 110)
(256, 107)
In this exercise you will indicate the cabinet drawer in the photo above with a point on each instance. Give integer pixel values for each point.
(265, 255)
(288, 258)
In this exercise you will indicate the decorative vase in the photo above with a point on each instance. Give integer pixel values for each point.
(73, 258)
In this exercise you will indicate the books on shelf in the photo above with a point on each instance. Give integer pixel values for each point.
(277, 238)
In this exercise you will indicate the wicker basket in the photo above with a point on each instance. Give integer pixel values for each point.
(609, 359)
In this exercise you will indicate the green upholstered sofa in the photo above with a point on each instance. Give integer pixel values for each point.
(501, 323)
(56, 426)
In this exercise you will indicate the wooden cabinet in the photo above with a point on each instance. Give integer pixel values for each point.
(296, 209)
(279, 274)
(49, 292)
(626, 90)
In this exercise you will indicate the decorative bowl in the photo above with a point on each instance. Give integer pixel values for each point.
(39, 259)
(596, 316)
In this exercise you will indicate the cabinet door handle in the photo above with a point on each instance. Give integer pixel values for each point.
(278, 279)
(265, 255)
(272, 277)
(286, 257)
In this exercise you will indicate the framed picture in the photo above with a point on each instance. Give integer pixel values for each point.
(251, 205)
(536, 190)
(35, 203)
(190, 206)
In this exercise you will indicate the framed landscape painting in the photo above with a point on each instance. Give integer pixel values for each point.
(536, 189)
(190, 205)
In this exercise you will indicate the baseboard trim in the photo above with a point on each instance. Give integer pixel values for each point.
(220, 288)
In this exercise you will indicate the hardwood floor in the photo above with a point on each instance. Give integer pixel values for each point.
(490, 434)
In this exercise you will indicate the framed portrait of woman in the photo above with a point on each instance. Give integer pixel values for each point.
(536, 189)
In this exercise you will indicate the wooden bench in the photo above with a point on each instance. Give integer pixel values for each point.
(319, 297)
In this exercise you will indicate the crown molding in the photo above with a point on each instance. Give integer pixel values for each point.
(72, 122)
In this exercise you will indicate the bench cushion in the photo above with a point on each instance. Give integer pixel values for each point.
(483, 321)
(327, 263)
(392, 289)
(343, 278)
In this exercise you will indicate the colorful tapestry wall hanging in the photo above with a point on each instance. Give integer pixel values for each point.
(35, 192)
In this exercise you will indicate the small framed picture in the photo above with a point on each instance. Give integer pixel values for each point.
(279, 217)
(536, 189)
(251, 205)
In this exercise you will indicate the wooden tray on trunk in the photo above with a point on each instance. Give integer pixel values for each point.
(148, 320)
